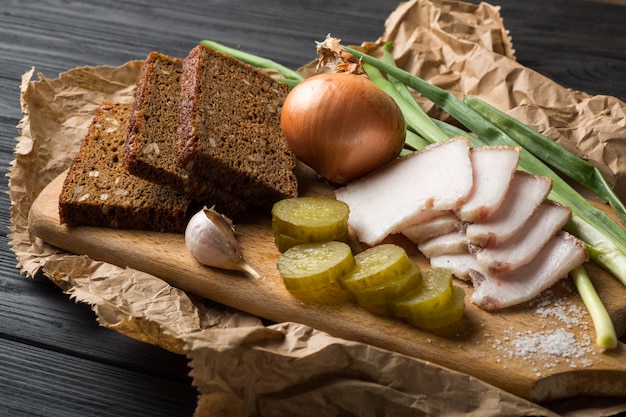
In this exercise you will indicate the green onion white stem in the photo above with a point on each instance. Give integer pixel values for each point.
(605, 330)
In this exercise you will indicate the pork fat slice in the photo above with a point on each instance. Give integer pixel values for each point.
(559, 256)
(439, 177)
(519, 250)
(494, 167)
(448, 243)
(435, 226)
(524, 195)
(459, 264)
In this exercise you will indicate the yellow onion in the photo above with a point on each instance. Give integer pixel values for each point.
(342, 125)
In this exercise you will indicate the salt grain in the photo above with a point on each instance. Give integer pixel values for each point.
(556, 342)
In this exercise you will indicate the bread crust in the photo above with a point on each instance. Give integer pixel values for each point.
(187, 133)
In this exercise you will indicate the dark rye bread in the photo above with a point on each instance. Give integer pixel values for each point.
(229, 128)
(152, 144)
(99, 191)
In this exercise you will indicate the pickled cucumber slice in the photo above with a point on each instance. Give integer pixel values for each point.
(392, 289)
(445, 315)
(436, 291)
(284, 242)
(310, 219)
(376, 266)
(311, 266)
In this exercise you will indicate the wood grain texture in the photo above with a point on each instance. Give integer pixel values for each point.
(580, 44)
(66, 382)
(462, 347)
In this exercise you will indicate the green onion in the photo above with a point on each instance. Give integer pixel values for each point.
(551, 153)
(600, 246)
(416, 119)
(425, 124)
(289, 82)
(255, 60)
(605, 330)
(605, 239)
(414, 142)
(452, 131)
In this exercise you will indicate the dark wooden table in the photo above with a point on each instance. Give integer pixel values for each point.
(54, 358)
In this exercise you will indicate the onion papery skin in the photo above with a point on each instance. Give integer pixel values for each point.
(342, 125)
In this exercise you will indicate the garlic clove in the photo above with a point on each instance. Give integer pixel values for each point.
(210, 238)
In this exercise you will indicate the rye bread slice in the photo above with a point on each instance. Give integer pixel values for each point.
(229, 128)
(99, 191)
(152, 146)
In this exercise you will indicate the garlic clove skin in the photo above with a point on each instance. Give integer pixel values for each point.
(210, 238)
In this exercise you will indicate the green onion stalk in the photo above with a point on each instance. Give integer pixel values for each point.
(417, 121)
(291, 77)
(413, 142)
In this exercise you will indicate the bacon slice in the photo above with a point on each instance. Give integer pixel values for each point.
(493, 167)
(437, 178)
(522, 248)
(559, 256)
(525, 194)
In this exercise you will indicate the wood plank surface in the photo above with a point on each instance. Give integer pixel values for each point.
(462, 347)
(67, 382)
(578, 43)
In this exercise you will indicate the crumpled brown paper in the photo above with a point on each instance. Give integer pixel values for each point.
(239, 365)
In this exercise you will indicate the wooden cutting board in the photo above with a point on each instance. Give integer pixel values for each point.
(542, 350)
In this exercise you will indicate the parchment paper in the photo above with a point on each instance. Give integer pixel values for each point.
(239, 365)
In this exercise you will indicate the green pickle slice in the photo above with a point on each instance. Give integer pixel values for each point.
(394, 288)
(448, 314)
(310, 219)
(376, 266)
(436, 291)
(311, 266)
(284, 242)
(436, 304)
